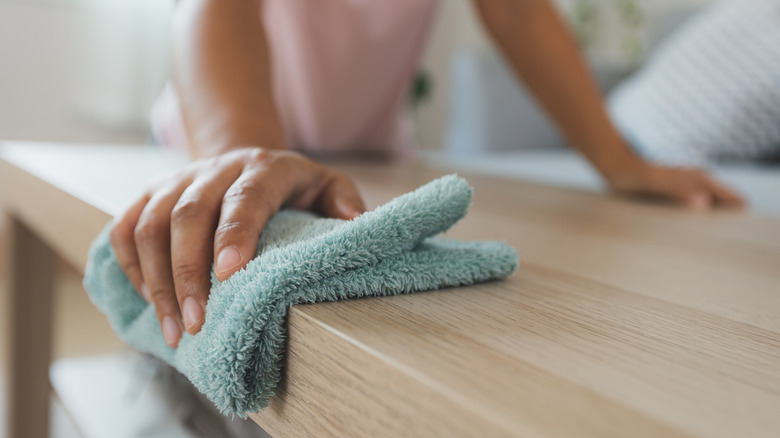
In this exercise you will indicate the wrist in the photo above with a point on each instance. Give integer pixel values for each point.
(614, 162)
(229, 138)
(239, 143)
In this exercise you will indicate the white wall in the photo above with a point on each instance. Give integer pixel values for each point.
(80, 70)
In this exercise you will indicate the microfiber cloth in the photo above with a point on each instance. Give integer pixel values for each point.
(236, 358)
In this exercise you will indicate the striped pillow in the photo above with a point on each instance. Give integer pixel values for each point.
(712, 91)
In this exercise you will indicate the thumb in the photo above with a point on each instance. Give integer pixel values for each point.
(340, 199)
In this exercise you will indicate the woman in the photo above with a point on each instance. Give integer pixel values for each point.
(255, 79)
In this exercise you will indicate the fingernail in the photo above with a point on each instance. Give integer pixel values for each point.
(227, 259)
(145, 293)
(192, 312)
(348, 210)
(171, 331)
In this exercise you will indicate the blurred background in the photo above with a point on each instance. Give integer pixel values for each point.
(88, 71)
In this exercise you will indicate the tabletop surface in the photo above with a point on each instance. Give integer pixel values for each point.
(624, 319)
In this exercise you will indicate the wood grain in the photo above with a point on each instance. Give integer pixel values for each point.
(624, 319)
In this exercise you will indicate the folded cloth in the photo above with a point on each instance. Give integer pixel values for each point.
(236, 358)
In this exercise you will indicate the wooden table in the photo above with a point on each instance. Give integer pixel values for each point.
(624, 319)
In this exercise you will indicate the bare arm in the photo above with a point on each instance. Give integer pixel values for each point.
(222, 73)
(214, 210)
(539, 47)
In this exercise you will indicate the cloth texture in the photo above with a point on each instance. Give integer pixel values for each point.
(711, 91)
(236, 358)
(341, 73)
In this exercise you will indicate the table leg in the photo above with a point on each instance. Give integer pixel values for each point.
(33, 265)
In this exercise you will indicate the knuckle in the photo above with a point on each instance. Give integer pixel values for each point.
(245, 192)
(287, 159)
(211, 164)
(162, 296)
(148, 231)
(186, 271)
(231, 228)
(274, 158)
(291, 154)
(187, 210)
(259, 155)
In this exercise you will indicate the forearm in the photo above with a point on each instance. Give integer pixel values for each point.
(542, 52)
(221, 71)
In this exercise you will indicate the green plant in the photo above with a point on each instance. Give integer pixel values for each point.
(587, 17)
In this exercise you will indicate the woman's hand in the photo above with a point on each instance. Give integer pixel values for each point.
(691, 188)
(215, 210)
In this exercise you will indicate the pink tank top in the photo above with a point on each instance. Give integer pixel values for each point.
(341, 73)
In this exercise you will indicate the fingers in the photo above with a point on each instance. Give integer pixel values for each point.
(692, 189)
(725, 196)
(123, 242)
(699, 192)
(193, 221)
(248, 204)
(340, 199)
(262, 190)
(153, 243)
(164, 241)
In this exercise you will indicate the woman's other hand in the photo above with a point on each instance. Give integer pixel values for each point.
(691, 188)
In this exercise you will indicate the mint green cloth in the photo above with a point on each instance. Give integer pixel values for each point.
(236, 358)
